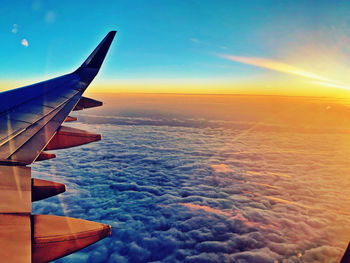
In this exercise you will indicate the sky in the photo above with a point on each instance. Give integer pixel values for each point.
(260, 47)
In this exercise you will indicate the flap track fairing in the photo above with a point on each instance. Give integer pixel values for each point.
(85, 103)
(42, 189)
(67, 137)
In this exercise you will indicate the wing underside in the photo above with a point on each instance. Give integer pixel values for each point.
(30, 122)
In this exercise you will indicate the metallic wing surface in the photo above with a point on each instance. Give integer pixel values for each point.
(31, 120)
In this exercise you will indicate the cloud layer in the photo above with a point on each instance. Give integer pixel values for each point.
(197, 194)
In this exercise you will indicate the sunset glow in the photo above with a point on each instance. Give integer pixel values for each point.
(274, 65)
(288, 69)
(270, 57)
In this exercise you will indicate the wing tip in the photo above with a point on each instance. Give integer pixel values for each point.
(91, 66)
(97, 57)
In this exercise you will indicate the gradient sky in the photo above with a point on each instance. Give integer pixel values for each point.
(274, 47)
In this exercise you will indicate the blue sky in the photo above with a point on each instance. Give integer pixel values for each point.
(169, 39)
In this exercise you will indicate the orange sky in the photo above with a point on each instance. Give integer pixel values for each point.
(263, 87)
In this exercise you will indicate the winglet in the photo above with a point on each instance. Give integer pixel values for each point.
(98, 55)
(89, 69)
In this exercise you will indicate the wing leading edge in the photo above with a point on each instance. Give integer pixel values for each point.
(31, 120)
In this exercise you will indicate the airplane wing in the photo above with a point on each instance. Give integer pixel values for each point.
(31, 120)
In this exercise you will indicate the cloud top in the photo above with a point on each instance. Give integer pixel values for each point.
(194, 194)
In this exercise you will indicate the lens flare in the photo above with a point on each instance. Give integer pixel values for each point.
(331, 85)
(276, 66)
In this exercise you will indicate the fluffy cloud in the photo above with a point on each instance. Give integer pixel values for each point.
(188, 194)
